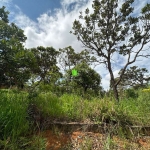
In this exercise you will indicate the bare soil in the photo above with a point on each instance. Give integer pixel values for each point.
(78, 140)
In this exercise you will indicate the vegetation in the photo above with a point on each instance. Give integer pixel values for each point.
(134, 77)
(37, 87)
(45, 64)
(16, 128)
(86, 79)
(111, 30)
(14, 58)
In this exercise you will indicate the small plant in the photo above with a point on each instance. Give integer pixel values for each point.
(108, 145)
(87, 144)
(38, 142)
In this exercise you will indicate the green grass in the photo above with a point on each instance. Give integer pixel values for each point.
(13, 123)
(69, 107)
(13, 114)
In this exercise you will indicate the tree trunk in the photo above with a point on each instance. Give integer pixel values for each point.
(115, 90)
(112, 81)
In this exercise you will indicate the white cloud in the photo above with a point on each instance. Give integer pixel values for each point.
(5, 2)
(73, 4)
(52, 29)
(49, 30)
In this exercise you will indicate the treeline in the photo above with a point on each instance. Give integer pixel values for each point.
(40, 66)
(22, 67)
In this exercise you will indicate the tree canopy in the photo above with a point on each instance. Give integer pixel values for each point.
(86, 78)
(134, 77)
(45, 63)
(112, 30)
(13, 56)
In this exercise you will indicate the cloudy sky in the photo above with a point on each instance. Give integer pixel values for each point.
(48, 23)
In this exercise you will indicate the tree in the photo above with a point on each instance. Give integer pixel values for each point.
(68, 58)
(13, 56)
(111, 29)
(87, 78)
(44, 66)
(134, 77)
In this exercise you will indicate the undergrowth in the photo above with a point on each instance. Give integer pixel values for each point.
(68, 107)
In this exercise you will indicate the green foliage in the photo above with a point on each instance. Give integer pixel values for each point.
(131, 93)
(134, 77)
(44, 66)
(48, 103)
(13, 57)
(4, 14)
(87, 77)
(109, 29)
(87, 80)
(72, 107)
(13, 114)
(14, 126)
(68, 58)
(37, 142)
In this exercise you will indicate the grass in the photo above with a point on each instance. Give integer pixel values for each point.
(14, 125)
(13, 114)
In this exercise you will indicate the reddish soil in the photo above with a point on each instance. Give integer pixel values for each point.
(55, 140)
(145, 143)
(95, 141)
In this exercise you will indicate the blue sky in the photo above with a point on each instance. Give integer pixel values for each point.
(34, 8)
(48, 23)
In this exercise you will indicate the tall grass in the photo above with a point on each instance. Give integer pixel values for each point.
(138, 108)
(68, 107)
(13, 114)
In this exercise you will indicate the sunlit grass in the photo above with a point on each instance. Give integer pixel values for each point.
(68, 107)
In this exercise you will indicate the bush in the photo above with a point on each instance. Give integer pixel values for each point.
(131, 93)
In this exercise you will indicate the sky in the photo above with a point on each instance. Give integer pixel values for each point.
(49, 22)
(34, 8)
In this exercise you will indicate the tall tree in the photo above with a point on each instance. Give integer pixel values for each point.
(112, 29)
(13, 63)
(87, 77)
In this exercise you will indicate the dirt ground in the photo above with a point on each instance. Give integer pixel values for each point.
(78, 140)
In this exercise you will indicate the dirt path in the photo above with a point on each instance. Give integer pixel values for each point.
(57, 140)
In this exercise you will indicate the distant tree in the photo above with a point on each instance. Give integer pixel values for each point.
(68, 58)
(87, 78)
(112, 29)
(45, 63)
(134, 77)
(13, 56)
